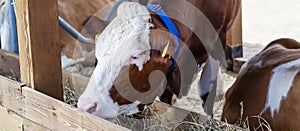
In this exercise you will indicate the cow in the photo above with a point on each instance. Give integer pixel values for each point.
(136, 54)
(72, 50)
(266, 91)
(75, 12)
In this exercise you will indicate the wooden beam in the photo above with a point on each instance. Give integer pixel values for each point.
(43, 112)
(238, 63)
(12, 121)
(9, 65)
(15, 122)
(33, 126)
(40, 62)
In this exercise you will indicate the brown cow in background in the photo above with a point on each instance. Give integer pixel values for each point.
(75, 12)
(268, 88)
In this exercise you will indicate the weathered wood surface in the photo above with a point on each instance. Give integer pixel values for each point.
(14, 122)
(43, 112)
(10, 68)
(75, 81)
(238, 63)
(9, 65)
(9, 121)
(37, 22)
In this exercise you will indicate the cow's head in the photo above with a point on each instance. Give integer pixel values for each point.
(133, 60)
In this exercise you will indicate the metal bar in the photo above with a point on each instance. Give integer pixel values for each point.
(73, 32)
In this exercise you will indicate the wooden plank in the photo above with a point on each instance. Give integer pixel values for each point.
(75, 81)
(40, 62)
(11, 94)
(33, 126)
(59, 116)
(47, 111)
(9, 65)
(238, 63)
(9, 121)
(10, 68)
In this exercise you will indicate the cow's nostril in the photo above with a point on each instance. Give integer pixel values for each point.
(88, 107)
(91, 108)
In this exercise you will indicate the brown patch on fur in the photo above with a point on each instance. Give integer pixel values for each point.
(138, 79)
(93, 26)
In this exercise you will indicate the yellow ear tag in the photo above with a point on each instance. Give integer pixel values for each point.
(165, 49)
(97, 37)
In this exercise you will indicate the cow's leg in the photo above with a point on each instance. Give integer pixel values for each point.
(207, 84)
(166, 97)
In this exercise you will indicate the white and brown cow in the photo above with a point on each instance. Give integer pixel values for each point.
(135, 50)
(268, 87)
(75, 12)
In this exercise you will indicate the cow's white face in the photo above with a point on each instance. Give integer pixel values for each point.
(124, 41)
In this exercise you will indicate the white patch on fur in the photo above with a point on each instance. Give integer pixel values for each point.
(280, 83)
(68, 63)
(130, 108)
(140, 60)
(127, 35)
(210, 73)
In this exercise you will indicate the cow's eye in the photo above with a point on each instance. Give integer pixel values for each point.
(134, 57)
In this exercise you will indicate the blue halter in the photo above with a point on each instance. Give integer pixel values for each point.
(171, 27)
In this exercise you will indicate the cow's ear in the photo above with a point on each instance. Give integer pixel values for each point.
(93, 26)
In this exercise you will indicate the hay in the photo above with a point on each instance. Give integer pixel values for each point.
(161, 117)
(152, 119)
(210, 124)
(70, 97)
(156, 124)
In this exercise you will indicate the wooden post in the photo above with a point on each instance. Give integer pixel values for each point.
(234, 40)
(40, 61)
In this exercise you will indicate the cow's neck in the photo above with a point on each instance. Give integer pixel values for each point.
(191, 41)
(186, 36)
